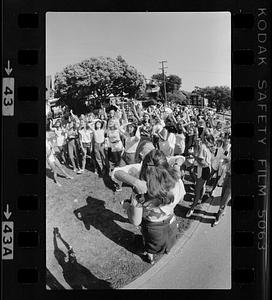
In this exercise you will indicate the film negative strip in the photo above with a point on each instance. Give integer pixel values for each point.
(24, 201)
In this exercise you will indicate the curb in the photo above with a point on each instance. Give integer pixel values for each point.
(167, 257)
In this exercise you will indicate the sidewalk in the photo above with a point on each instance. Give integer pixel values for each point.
(183, 240)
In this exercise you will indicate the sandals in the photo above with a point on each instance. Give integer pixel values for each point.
(149, 258)
(189, 213)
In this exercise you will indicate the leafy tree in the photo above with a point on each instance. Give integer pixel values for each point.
(178, 97)
(97, 79)
(172, 82)
(218, 96)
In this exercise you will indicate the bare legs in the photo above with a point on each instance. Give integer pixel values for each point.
(55, 167)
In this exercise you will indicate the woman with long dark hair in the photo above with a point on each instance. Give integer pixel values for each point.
(161, 189)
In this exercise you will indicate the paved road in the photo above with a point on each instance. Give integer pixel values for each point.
(204, 262)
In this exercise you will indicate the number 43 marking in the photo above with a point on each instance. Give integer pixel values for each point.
(8, 96)
(8, 91)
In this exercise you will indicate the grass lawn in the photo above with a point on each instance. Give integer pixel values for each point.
(90, 219)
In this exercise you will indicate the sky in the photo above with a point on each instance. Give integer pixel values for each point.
(196, 46)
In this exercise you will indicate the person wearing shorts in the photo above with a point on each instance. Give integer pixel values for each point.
(132, 139)
(85, 139)
(115, 143)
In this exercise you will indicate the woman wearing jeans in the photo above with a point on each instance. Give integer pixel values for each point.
(99, 146)
(72, 134)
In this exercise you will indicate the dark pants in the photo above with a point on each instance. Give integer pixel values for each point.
(128, 159)
(201, 186)
(159, 237)
(72, 151)
(100, 155)
(226, 191)
(116, 158)
(61, 153)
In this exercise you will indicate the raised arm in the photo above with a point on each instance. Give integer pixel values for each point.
(138, 184)
(51, 125)
(74, 116)
(124, 114)
(135, 112)
(163, 134)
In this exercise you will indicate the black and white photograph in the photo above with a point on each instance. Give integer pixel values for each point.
(138, 150)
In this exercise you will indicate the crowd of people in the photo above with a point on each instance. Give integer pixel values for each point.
(151, 149)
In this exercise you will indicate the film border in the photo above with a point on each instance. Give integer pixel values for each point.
(249, 263)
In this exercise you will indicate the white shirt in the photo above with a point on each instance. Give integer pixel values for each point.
(217, 159)
(86, 135)
(134, 169)
(172, 140)
(99, 135)
(60, 136)
(131, 142)
(206, 155)
(158, 127)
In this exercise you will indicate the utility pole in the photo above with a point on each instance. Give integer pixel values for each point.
(164, 81)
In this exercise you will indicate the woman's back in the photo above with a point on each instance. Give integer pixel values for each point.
(158, 213)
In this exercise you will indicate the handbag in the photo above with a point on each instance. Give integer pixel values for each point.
(135, 213)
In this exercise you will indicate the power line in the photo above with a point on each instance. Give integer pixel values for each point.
(164, 81)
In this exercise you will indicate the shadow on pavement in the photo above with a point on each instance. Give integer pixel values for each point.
(216, 202)
(97, 215)
(49, 173)
(199, 214)
(76, 275)
(109, 183)
(52, 282)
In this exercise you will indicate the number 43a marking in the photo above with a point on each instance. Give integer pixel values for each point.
(7, 229)
(8, 91)
(7, 240)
